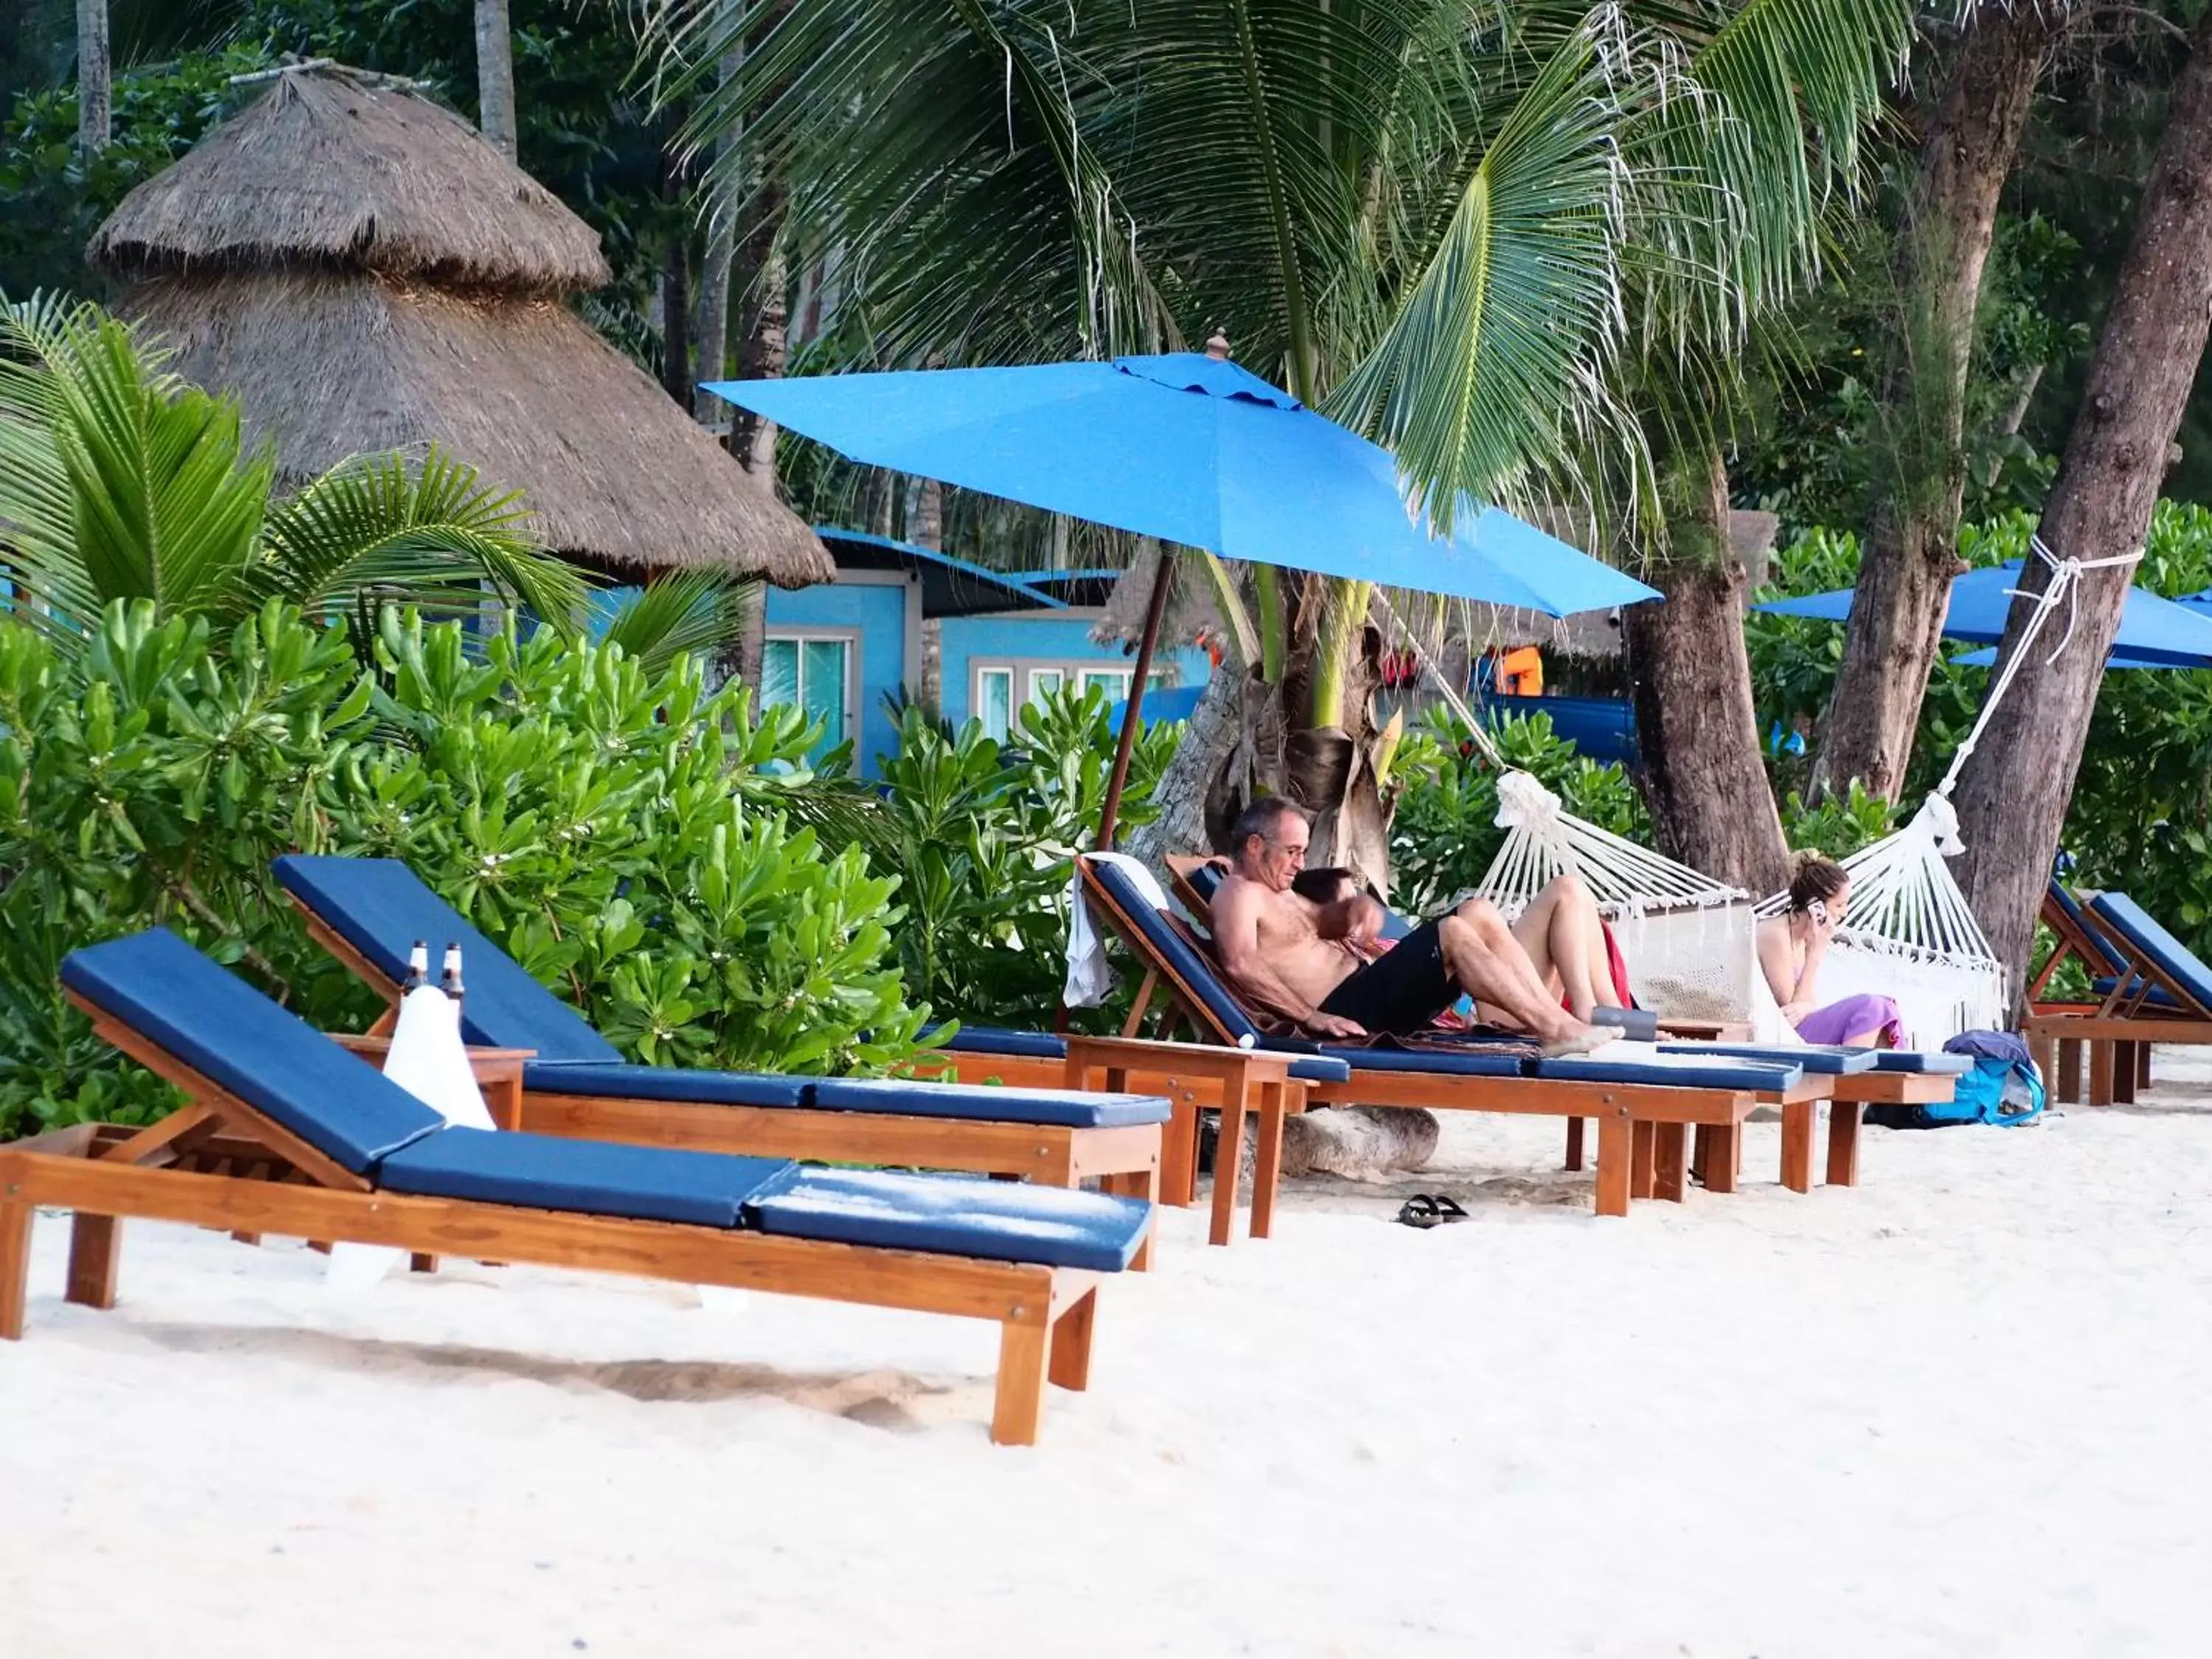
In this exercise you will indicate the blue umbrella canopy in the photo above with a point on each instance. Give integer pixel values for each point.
(2154, 632)
(1191, 449)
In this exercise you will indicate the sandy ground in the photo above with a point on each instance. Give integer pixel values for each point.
(1961, 1411)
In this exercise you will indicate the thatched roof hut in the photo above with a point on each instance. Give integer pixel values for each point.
(363, 272)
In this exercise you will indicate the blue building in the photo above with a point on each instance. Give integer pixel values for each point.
(840, 649)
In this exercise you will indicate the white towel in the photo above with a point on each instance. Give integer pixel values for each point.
(428, 1059)
(1090, 975)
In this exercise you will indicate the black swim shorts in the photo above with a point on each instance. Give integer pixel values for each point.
(1402, 990)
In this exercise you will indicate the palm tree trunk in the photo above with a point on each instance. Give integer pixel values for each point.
(2013, 795)
(495, 76)
(95, 73)
(1702, 777)
(1912, 544)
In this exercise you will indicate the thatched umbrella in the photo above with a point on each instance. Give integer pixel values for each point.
(364, 272)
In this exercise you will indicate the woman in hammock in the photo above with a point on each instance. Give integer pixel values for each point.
(1791, 947)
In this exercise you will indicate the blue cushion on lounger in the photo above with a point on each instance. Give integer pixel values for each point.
(2157, 946)
(2156, 996)
(238, 1039)
(1714, 1074)
(997, 1039)
(1441, 1061)
(586, 1177)
(1170, 947)
(1934, 1062)
(380, 908)
(948, 1215)
(1062, 1108)
(2063, 896)
(1820, 1060)
(621, 1082)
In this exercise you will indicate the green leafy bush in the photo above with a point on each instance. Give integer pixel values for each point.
(620, 833)
(982, 836)
(1445, 831)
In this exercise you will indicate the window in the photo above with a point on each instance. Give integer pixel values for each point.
(999, 690)
(994, 700)
(812, 671)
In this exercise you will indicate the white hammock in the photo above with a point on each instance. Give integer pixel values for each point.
(1689, 941)
(1909, 932)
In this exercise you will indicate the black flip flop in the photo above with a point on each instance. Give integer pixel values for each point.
(1425, 1210)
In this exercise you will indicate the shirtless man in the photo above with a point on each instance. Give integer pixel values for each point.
(1270, 942)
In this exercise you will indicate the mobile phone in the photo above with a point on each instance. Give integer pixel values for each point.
(1817, 910)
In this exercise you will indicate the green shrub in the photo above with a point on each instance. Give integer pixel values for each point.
(1445, 833)
(622, 833)
(982, 836)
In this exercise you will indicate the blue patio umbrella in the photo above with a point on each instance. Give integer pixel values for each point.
(2154, 632)
(1196, 452)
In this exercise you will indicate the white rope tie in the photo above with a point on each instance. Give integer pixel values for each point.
(2061, 589)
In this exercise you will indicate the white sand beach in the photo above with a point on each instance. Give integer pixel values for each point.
(1960, 1411)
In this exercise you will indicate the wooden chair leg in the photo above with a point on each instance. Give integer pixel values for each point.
(15, 1265)
(1267, 1166)
(1668, 1171)
(92, 1261)
(2124, 1072)
(1574, 1144)
(1018, 1403)
(1070, 1365)
(1797, 1117)
(1138, 1184)
(1642, 1177)
(2070, 1071)
(1701, 1153)
(1615, 1151)
(1229, 1159)
(2043, 1049)
(2100, 1074)
(1724, 1152)
(1844, 1143)
(2143, 1065)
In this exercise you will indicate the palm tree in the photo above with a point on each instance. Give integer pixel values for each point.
(119, 481)
(95, 73)
(1498, 236)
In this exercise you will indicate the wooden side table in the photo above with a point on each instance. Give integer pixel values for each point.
(498, 1072)
(1248, 1083)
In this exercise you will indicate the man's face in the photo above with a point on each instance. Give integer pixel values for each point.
(1275, 859)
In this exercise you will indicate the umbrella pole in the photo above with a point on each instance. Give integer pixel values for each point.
(1132, 711)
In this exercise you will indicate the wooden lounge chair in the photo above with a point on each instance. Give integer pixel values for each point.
(1859, 1078)
(2149, 987)
(1643, 1108)
(1246, 1084)
(288, 1133)
(367, 912)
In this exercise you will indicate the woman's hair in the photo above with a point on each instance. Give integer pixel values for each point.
(1326, 884)
(1814, 876)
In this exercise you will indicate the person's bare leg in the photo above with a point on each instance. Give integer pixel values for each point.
(1875, 1036)
(1494, 969)
(1565, 941)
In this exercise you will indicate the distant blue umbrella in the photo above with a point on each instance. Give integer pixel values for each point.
(1196, 452)
(2154, 632)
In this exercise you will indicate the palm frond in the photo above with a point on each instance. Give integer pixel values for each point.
(432, 536)
(694, 612)
(1484, 373)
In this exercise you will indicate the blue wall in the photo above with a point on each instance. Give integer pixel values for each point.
(880, 614)
(999, 639)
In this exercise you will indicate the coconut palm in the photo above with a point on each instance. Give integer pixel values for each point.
(119, 481)
(1497, 236)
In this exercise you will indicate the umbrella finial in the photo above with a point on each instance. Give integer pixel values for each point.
(1217, 346)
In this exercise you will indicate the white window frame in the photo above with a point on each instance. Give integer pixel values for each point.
(801, 637)
(1022, 676)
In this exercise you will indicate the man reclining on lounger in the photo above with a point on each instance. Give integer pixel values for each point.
(1272, 945)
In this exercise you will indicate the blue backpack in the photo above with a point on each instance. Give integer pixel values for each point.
(2004, 1088)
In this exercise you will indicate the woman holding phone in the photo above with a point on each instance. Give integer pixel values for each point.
(1791, 947)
